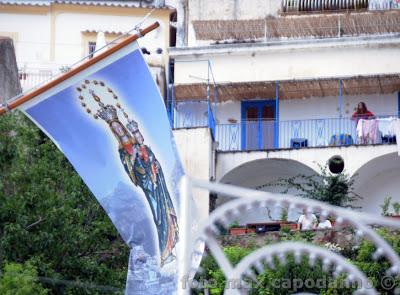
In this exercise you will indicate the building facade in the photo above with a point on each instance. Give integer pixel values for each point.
(267, 90)
(51, 35)
(256, 90)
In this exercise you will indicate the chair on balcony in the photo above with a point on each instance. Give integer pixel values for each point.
(341, 139)
(386, 139)
(297, 143)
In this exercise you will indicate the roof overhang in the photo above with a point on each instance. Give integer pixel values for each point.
(101, 3)
(194, 52)
(291, 89)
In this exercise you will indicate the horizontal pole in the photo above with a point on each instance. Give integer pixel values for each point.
(31, 95)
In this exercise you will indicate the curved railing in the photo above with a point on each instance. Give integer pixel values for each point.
(246, 200)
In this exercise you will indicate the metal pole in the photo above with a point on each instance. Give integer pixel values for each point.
(276, 114)
(208, 95)
(340, 98)
(184, 258)
(215, 100)
(168, 93)
(172, 105)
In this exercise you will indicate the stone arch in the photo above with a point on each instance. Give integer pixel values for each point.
(256, 173)
(376, 179)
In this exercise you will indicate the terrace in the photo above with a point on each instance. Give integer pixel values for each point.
(302, 114)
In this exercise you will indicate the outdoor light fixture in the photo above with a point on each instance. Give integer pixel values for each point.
(336, 164)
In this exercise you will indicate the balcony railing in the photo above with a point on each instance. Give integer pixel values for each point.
(263, 135)
(32, 78)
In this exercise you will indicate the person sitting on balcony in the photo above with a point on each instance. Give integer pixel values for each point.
(324, 223)
(362, 113)
(307, 221)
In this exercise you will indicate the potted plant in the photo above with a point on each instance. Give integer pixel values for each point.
(385, 206)
(284, 223)
(396, 209)
(236, 229)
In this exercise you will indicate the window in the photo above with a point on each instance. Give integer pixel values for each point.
(92, 48)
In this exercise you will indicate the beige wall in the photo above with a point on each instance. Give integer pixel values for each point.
(195, 150)
(232, 9)
(50, 37)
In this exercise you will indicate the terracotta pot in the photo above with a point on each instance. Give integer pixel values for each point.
(251, 230)
(236, 231)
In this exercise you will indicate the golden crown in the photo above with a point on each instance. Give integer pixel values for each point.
(108, 112)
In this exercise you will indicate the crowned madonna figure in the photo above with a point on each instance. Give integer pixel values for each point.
(144, 171)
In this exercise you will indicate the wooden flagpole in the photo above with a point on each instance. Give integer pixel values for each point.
(30, 95)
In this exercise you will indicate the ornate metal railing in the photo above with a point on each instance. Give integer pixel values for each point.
(246, 200)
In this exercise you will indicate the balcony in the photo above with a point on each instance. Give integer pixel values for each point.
(301, 6)
(30, 78)
(270, 134)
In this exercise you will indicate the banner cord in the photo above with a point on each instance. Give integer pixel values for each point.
(135, 28)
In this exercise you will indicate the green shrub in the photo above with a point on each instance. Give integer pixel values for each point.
(385, 206)
(20, 279)
(396, 208)
(282, 278)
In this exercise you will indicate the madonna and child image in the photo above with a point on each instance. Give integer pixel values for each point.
(137, 159)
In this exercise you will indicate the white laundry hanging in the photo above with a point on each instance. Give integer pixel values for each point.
(386, 126)
(396, 129)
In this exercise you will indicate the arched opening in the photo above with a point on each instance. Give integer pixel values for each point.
(261, 175)
(376, 180)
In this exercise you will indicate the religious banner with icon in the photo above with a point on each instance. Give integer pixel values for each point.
(111, 123)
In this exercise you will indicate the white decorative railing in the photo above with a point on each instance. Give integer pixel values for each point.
(247, 200)
(336, 5)
(383, 4)
(30, 78)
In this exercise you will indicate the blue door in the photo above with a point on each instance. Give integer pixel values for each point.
(259, 127)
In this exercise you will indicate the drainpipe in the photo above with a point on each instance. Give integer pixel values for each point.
(182, 23)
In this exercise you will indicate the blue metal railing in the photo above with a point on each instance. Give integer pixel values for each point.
(182, 115)
(290, 134)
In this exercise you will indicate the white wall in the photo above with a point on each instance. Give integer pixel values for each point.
(327, 107)
(376, 170)
(32, 33)
(228, 10)
(32, 36)
(195, 150)
(69, 28)
(281, 62)
(232, 9)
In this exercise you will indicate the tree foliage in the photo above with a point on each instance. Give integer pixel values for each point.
(335, 189)
(49, 218)
(20, 279)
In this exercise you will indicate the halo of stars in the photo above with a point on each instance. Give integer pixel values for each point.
(85, 85)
